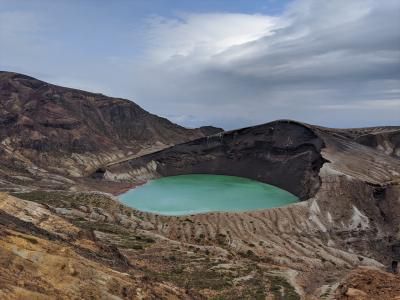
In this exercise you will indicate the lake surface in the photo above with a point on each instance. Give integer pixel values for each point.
(200, 193)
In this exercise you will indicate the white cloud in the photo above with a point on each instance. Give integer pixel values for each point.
(200, 36)
(317, 54)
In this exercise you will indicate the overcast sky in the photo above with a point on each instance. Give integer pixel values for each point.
(227, 63)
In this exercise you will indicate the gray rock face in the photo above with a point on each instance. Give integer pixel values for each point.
(387, 142)
(210, 130)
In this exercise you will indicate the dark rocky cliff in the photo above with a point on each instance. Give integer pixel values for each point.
(283, 153)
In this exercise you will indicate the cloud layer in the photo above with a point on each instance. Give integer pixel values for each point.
(334, 63)
(330, 62)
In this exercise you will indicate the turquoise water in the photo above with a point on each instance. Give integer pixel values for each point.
(200, 193)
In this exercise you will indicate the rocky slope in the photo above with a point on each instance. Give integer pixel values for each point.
(369, 283)
(44, 256)
(351, 192)
(87, 246)
(385, 140)
(44, 127)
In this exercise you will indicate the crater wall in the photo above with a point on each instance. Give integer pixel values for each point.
(286, 154)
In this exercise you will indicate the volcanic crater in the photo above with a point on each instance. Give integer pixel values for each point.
(66, 153)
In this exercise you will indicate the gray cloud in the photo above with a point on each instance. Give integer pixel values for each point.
(334, 63)
(324, 61)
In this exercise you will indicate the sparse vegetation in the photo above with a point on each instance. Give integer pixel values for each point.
(282, 290)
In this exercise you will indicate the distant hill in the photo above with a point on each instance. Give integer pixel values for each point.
(72, 131)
